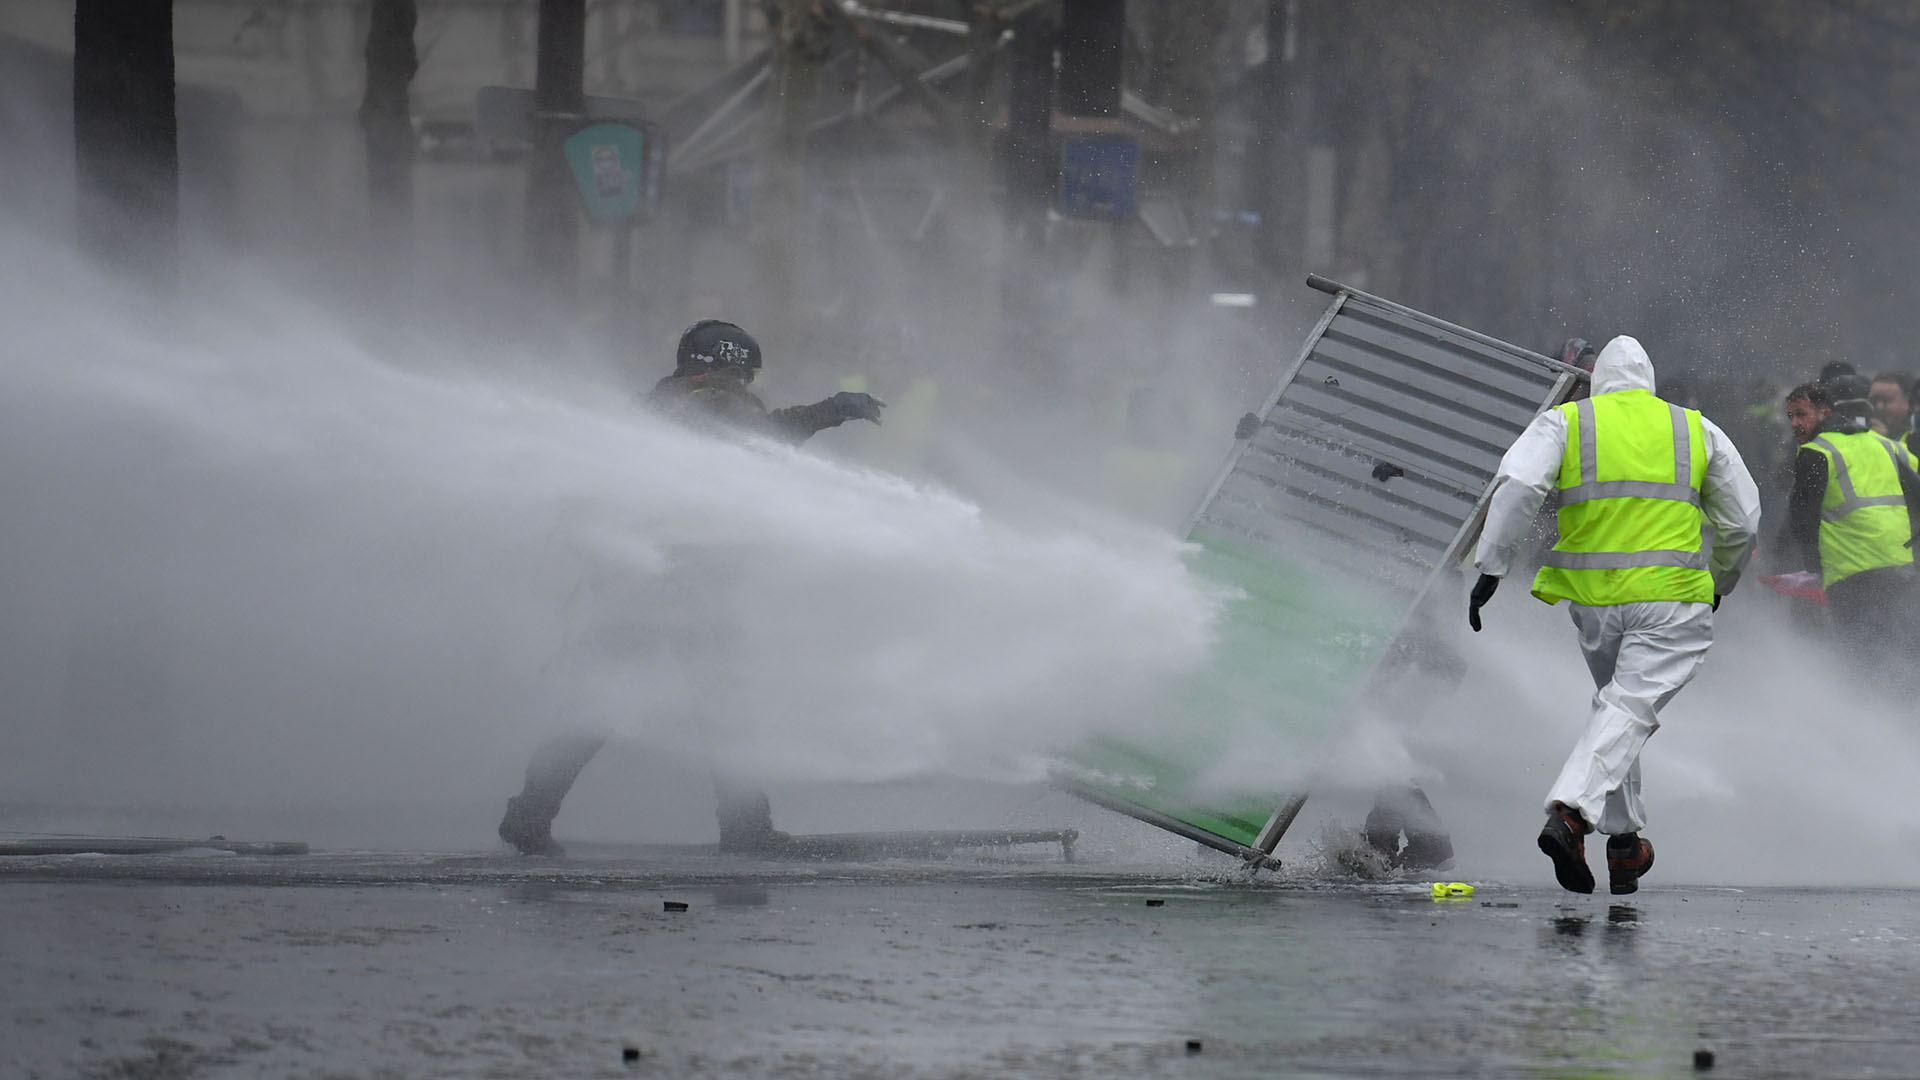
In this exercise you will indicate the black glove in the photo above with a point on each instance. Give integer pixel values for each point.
(1248, 425)
(1482, 592)
(854, 405)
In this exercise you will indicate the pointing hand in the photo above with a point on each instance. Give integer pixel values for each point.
(854, 405)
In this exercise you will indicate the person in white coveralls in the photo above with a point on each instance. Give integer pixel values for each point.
(1639, 481)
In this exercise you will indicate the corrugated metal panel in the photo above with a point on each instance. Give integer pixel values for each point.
(1366, 480)
(1376, 450)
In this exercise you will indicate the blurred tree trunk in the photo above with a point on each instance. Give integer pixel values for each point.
(1027, 171)
(1182, 77)
(1092, 48)
(559, 104)
(386, 121)
(801, 39)
(125, 136)
(1273, 179)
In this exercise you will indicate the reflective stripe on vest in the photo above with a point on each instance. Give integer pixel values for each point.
(1849, 498)
(1604, 523)
(1863, 516)
(1590, 488)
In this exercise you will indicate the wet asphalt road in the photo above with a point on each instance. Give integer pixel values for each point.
(408, 966)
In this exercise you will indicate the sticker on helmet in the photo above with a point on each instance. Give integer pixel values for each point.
(730, 352)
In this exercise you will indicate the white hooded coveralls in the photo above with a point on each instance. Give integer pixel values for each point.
(1640, 653)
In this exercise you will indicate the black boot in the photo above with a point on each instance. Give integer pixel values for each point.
(528, 830)
(528, 825)
(1563, 839)
(1408, 810)
(746, 822)
(1629, 856)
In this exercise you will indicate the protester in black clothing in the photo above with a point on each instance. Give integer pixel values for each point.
(714, 364)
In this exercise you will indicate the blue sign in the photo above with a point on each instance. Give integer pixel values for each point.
(1098, 177)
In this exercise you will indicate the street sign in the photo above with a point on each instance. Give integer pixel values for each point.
(608, 161)
(1098, 177)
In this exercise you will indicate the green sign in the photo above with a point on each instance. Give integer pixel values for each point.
(608, 160)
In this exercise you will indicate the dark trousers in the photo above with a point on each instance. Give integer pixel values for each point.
(1406, 810)
(746, 816)
(1873, 616)
(550, 775)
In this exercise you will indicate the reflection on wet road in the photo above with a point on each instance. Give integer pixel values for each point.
(374, 966)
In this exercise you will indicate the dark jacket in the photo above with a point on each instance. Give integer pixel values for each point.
(714, 399)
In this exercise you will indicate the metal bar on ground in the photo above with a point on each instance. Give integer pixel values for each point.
(853, 847)
(1262, 859)
(142, 845)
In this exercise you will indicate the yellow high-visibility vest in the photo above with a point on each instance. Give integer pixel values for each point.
(1631, 528)
(1863, 516)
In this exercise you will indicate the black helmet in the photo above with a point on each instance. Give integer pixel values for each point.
(1848, 387)
(1850, 402)
(711, 344)
(1833, 371)
(1577, 352)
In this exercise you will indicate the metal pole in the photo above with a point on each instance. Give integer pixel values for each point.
(800, 46)
(1269, 130)
(621, 289)
(1029, 126)
(689, 145)
(1092, 48)
(1277, 825)
(1028, 174)
(125, 140)
(386, 124)
(559, 104)
(732, 20)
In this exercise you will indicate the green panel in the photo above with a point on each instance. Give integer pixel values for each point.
(1295, 647)
(607, 161)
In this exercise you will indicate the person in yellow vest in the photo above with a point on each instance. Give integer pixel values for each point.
(1850, 518)
(1638, 480)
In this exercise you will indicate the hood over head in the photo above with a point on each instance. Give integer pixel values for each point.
(1622, 365)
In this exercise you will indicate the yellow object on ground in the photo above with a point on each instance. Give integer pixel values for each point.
(1451, 890)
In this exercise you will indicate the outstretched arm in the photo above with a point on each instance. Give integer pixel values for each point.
(1521, 484)
(799, 422)
(1910, 487)
(1731, 502)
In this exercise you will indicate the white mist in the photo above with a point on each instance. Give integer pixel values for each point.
(251, 564)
